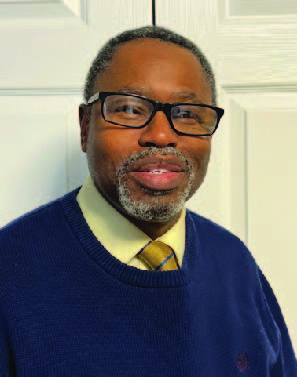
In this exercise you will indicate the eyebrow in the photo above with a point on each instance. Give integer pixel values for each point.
(141, 91)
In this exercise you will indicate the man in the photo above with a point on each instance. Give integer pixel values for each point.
(117, 278)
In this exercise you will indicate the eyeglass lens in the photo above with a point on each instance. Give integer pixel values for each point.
(134, 111)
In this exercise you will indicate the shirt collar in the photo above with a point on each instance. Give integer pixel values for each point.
(116, 233)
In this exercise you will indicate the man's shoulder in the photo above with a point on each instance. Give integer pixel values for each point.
(36, 219)
(220, 247)
(214, 235)
(210, 227)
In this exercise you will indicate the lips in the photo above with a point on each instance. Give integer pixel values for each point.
(149, 167)
(159, 173)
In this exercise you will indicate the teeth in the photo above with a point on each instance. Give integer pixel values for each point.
(158, 171)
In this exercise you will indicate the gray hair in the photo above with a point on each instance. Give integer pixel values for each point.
(105, 55)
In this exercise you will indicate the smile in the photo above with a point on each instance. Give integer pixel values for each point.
(158, 179)
(159, 171)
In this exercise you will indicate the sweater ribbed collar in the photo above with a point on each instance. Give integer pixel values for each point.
(121, 271)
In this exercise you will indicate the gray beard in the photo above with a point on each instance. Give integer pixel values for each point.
(157, 209)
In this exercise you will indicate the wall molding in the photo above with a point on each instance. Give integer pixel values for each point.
(225, 18)
(28, 1)
(29, 11)
(264, 88)
(78, 91)
(41, 91)
(85, 11)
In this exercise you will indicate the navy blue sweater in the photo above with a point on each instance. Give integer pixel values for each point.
(69, 308)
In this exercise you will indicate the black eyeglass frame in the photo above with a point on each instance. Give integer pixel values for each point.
(158, 106)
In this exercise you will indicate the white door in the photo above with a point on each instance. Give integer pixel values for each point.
(251, 187)
(46, 50)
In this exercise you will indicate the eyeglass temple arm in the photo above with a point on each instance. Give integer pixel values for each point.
(93, 98)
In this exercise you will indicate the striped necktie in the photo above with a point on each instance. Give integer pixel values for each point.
(158, 256)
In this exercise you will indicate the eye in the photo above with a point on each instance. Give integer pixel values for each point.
(185, 114)
(128, 109)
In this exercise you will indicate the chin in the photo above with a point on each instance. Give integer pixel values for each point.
(153, 206)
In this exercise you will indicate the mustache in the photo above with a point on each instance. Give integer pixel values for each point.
(153, 151)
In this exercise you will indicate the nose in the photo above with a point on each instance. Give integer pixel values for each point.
(158, 133)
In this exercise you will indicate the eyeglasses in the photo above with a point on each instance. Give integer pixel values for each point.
(133, 111)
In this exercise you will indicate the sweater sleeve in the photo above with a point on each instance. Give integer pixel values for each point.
(286, 365)
(5, 367)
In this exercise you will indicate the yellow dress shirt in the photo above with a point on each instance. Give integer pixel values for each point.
(117, 234)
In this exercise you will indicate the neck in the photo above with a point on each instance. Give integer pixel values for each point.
(153, 229)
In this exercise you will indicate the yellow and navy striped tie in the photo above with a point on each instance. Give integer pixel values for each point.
(158, 256)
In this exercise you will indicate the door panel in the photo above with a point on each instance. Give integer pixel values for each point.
(251, 183)
(47, 48)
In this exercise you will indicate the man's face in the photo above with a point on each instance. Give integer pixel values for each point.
(147, 174)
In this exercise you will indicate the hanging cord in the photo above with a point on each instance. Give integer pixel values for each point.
(154, 12)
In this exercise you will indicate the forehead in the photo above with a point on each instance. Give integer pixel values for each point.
(160, 67)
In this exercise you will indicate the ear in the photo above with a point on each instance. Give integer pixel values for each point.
(84, 122)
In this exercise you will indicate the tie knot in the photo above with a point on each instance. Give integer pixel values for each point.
(158, 256)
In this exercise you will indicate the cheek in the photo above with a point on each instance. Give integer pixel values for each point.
(106, 149)
(200, 153)
(101, 156)
(200, 157)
